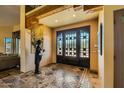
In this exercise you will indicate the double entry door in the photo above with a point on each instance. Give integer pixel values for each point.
(73, 46)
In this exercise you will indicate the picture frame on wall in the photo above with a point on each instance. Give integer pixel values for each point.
(101, 39)
(36, 34)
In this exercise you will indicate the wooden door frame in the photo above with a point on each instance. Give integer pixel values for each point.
(115, 13)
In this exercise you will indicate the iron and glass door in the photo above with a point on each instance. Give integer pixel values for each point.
(73, 46)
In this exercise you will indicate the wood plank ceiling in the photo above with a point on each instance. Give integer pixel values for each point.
(48, 10)
(32, 18)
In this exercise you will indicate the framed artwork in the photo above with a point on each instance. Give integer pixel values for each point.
(36, 34)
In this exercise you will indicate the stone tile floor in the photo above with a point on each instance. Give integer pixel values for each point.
(9, 72)
(53, 76)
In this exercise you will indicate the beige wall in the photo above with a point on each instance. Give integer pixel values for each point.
(93, 41)
(109, 44)
(5, 31)
(47, 57)
(27, 58)
(16, 27)
(101, 57)
(23, 62)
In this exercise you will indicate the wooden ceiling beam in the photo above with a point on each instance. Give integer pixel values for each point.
(88, 7)
(48, 10)
(54, 11)
(43, 12)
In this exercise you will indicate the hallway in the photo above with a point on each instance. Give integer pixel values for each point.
(53, 76)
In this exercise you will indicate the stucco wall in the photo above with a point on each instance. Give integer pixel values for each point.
(5, 31)
(27, 58)
(101, 57)
(47, 56)
(109, 44)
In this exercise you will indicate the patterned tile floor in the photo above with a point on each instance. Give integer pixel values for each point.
(9, 72)
(53, 76)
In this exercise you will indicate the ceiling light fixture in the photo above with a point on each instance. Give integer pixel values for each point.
(74, 15)
(56, 21)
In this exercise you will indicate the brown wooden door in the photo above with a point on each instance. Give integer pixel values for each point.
(119, 48)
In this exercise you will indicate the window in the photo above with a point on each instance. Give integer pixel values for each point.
(59, 44)
(84, 46)
(8, 45)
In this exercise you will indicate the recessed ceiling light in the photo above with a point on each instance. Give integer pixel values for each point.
(56, 20)
(74, 15)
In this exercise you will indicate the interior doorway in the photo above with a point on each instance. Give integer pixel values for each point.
(119, 48)
(16, 42)
(73, 46)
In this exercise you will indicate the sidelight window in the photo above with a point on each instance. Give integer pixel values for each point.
(84, 46)
(60, 44)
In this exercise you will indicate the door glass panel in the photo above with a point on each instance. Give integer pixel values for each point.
(84, 46)
(70, 44)
(122, 18)
(60, 44)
